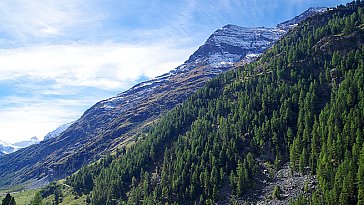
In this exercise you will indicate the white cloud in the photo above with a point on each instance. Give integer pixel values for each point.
(27, 19)
(35, 117)
(105, 65)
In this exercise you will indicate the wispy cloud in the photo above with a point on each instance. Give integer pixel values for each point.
(24, 19)
(105, 65)
(29, 117)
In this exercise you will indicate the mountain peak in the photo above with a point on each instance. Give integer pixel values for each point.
(229, 26)
(27, 143)
(296, 20)
(317, 9)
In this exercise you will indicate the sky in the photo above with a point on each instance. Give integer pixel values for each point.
(58, 58)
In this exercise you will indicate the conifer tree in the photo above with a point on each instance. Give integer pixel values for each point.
(360, 178)
(7, 199)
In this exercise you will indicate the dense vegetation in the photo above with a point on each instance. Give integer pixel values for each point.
(302, 102)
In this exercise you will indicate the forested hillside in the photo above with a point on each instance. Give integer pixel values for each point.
(302, 102)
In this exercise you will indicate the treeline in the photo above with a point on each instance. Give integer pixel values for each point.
(302, 102)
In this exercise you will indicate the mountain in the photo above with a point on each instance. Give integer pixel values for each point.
(58, 131)
(286, 129)
(6, 148)
(115, 122)
(27, 143)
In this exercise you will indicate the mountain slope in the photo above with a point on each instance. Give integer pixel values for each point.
(301, 103)
(111, 123)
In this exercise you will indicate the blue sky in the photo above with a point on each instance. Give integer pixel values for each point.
(58, 58)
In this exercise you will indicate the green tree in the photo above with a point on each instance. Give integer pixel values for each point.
(8, 198)
(360, 178)
(58, 195)
(37, 200)
(12, 201)
(276, 192)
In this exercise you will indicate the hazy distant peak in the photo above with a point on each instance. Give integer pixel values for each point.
(57, 131)
(27, 143)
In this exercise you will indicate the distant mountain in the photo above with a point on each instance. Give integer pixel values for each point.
(6, 148)
(27, 143)
(57, 131)
(113, 122)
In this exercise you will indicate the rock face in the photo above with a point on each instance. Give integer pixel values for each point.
(112, 122)
(291, 184)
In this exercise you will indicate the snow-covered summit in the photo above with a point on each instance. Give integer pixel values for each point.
(232, 43)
